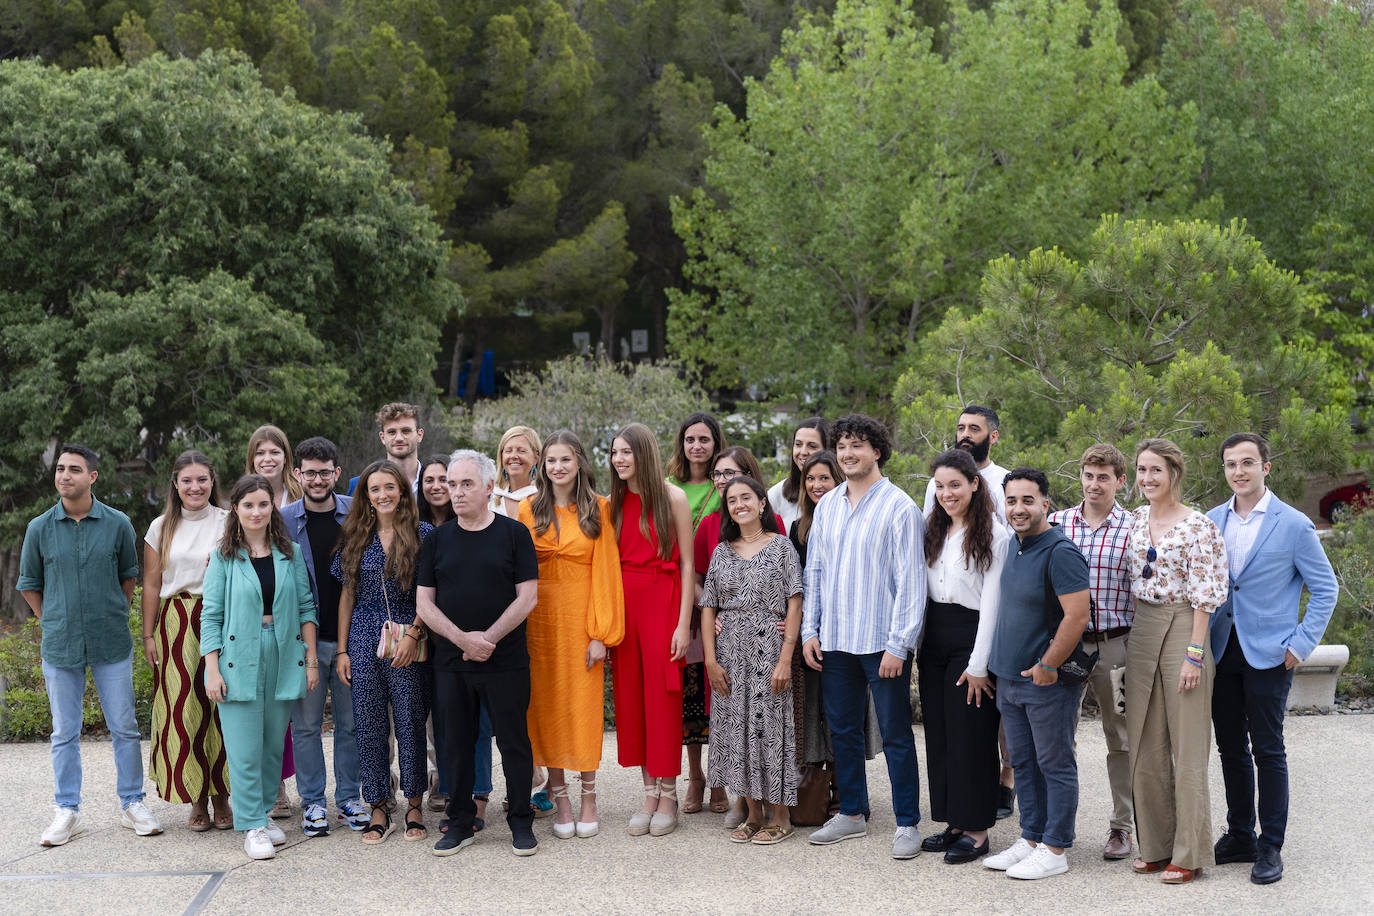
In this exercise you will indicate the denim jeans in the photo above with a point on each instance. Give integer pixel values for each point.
(307, 721)
(1039, 722)
(114, 682)
(846, 681)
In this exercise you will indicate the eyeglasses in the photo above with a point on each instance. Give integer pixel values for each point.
(1249, 464)
(724, 474)
(319, 475)
(1150, 556)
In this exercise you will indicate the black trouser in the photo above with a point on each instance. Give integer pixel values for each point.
(506, 696)
(962, 763)
(1248, 704)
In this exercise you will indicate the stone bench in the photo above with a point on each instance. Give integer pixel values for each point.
(1314, 680)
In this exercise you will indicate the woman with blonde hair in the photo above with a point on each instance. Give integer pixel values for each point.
(517, 456)
(187, 761)
(580, 612)
(653, 526)
(1177, 560)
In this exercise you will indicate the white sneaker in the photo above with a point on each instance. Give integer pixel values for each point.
(140, 820)
(1042, 863)
(906, 844)
(315, 821)
(66, 823)
(257, 845)
(1012, 855)
(274, 834)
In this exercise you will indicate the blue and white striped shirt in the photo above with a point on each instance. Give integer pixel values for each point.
(866, 572)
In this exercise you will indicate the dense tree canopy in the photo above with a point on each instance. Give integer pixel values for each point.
(874, 176)
(185, 255)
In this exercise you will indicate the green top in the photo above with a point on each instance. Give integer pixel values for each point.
(702, 499)
(79, 566)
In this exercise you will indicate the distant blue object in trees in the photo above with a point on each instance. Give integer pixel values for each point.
(486, 375)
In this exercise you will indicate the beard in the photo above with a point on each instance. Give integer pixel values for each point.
(979, 450)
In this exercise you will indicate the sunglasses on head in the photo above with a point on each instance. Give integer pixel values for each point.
(1150, 556)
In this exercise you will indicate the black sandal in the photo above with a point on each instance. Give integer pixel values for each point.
(479, 822)
(374, 834)
(417, 807)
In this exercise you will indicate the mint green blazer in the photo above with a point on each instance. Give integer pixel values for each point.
(231, 622)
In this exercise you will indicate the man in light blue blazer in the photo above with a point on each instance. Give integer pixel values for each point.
(1272, 551)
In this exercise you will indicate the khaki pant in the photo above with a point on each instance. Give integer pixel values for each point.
(1169, 736)
(1112, 657)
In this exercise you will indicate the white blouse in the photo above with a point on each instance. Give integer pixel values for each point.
(789, 512)
(951, 581)
(195, 538)
(499, 497)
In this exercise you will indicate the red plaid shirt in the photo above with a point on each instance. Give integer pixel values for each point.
(1106, 549)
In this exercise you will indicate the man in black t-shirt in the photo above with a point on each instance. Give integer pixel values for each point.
(476, 583)
(314, 522)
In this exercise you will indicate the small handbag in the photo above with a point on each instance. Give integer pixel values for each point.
(393, 631)
(1075, 669)
(813, 796)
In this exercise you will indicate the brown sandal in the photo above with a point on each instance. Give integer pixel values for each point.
(199, 821)
(696, 790)
(745, 832)
(1141, 867)
(722, 804)
(1177, 874)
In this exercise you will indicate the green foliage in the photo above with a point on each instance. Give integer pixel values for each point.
(1287, 118)
(593, 398)
(874, 177)
(1184, 330)
(27, 716)
(1350, 547)
(187, 255)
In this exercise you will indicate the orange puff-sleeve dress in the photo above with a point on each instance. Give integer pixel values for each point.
(581, 598)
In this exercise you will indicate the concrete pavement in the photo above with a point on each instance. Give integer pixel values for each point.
(695, 870)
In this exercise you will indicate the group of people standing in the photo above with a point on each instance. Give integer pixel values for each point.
(448, 602)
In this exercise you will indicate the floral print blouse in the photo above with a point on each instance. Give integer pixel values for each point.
(1190, 562)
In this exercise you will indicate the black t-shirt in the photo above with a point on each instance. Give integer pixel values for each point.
(322, 529)
(474, 574)
(267, 579)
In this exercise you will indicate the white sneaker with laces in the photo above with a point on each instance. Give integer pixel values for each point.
(274, 833)
(353, 814)
(257, 845)
(906, 844)
(140, 820)
(1010, 856)
(315, 821)
(1042, 863)
(66, 823)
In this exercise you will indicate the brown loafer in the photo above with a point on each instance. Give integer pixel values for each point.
(1118, 845)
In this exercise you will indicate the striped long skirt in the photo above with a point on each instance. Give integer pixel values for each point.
(188, 762)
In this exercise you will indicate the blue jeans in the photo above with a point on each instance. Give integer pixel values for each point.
(307, 721)
(114, 682)
(1039, 722)
(846, 680)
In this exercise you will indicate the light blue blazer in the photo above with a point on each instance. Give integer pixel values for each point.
(1262, 607)
(231, 622)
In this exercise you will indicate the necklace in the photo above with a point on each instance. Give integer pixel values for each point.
(751, 538)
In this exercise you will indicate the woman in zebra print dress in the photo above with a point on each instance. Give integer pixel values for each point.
(754, 581)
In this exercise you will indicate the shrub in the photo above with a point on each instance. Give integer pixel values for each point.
(1350, 547)
(26, 716)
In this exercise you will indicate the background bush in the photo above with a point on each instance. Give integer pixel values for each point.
(1351, 549)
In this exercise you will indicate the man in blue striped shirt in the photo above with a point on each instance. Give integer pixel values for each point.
(865, 602)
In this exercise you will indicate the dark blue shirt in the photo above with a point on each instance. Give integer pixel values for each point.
(1050, 559)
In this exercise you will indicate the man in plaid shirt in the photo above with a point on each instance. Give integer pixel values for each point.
(1101, 529)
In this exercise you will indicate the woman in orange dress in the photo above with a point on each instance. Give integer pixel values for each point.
(581, 611)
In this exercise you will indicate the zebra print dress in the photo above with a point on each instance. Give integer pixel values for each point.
(753, 735)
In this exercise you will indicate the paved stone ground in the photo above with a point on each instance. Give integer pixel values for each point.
(695, 870)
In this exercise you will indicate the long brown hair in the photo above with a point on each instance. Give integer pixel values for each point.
(979, 517)
(361, 524)
(269, 433)
(792, 486)
(748, 464)
(171, 515)
(653, 490)
(804, 500)
(584, 489)
(233, 540)
(1174, 463)
(427, 512)
(679, 468)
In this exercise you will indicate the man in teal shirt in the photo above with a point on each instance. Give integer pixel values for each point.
(77, 573)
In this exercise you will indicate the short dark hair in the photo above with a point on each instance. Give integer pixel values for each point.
(91, 458)
(863, 427)
(987, 413)
(1034, 475)
(317, 448)
(1239, 438)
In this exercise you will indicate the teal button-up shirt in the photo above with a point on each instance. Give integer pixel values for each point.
(79, 567)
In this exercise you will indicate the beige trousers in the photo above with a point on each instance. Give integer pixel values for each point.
(1169, 738)
(1112, 657)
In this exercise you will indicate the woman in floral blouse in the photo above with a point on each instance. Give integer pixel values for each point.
(1178, 578)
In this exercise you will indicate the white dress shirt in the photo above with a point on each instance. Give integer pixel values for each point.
(1240, 533)
(950, 581)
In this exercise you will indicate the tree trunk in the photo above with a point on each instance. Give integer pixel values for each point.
(456, 365)
(13, 607)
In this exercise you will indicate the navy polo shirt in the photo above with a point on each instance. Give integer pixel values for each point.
(1022, 635)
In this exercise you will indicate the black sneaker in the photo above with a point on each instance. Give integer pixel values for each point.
(1006, 801)
(522, 841)
(449, 843)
